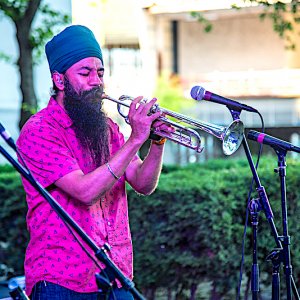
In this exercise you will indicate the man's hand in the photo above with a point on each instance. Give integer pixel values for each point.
(140, 120)
(159, 126)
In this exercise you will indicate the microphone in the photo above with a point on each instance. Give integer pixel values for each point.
(199, 93)
(7, 137)
(263, 138)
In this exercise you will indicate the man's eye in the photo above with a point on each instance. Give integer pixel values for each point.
(100, 75)
(84, 74)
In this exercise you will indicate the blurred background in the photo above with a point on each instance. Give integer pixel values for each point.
(245, 50)
(164, 48)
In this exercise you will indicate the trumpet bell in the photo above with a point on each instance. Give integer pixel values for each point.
(233, 137)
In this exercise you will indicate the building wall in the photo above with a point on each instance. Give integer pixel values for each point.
(238, 42)
(235, 44)
(238, 34)
(241, 58)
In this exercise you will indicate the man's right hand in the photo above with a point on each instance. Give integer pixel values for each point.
(140, 120)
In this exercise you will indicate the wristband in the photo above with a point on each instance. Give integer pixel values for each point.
(160, 142)
(111, 171)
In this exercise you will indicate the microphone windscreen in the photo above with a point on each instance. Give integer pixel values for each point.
(197, 92)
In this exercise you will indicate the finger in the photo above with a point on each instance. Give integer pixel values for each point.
(132, 108)
(161, 126)
(168, 129)
(141, 105)
(135, 101)
(154, 116)
(165, 127)
(158, 123)
(148, 105)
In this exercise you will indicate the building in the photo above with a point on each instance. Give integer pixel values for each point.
(241, 58)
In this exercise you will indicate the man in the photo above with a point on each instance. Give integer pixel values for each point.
(79, 155)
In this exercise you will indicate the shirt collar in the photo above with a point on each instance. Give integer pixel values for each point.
(58, 113)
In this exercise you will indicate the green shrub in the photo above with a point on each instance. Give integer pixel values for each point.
(189, 231)
(13, 233)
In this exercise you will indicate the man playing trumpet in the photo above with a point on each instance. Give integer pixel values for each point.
(79, 155)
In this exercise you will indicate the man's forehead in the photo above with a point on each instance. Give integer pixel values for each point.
(89, 63)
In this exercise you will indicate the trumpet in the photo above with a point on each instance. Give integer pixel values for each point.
(231, 135)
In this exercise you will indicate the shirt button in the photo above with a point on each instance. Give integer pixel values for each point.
(108, 223)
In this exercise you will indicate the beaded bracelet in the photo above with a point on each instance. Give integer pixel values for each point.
(160, 142)
(111, 171)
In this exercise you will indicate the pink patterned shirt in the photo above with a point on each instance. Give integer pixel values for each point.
(50, 149)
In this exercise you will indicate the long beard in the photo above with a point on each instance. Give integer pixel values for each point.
(89, 121)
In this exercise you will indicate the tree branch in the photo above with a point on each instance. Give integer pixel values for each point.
(9, 10)
(31, 10)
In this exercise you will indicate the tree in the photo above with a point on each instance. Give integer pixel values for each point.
(30, 41)
(278, 11)
(284, 15)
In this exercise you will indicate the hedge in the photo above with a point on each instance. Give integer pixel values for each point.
(191, 229)
(189, 232)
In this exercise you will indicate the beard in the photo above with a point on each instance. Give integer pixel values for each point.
(89, 120)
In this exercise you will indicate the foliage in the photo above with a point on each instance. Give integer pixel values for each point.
(35, 22)
(189, 232)
(50, 20)
(13, 233)
(277, 11)
(169, 93)
(201, 19)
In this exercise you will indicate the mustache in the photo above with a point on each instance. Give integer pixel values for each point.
(94, 94)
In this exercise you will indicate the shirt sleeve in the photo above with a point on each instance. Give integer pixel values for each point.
(45, 153)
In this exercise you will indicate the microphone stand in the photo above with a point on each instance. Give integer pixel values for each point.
(265, 205)
(255, 206)
(284, 255)
(111, 271)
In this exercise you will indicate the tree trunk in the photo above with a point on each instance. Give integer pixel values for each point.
(169, 294)
(193, 291)
(247, 287)
(214, 295)
(149, 293)
(25, 64)
(152, 294)
(25, 61)
(179, 292)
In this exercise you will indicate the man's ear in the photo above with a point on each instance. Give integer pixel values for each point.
(58, 80)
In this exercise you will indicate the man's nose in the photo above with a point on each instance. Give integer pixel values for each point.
(95, 80)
